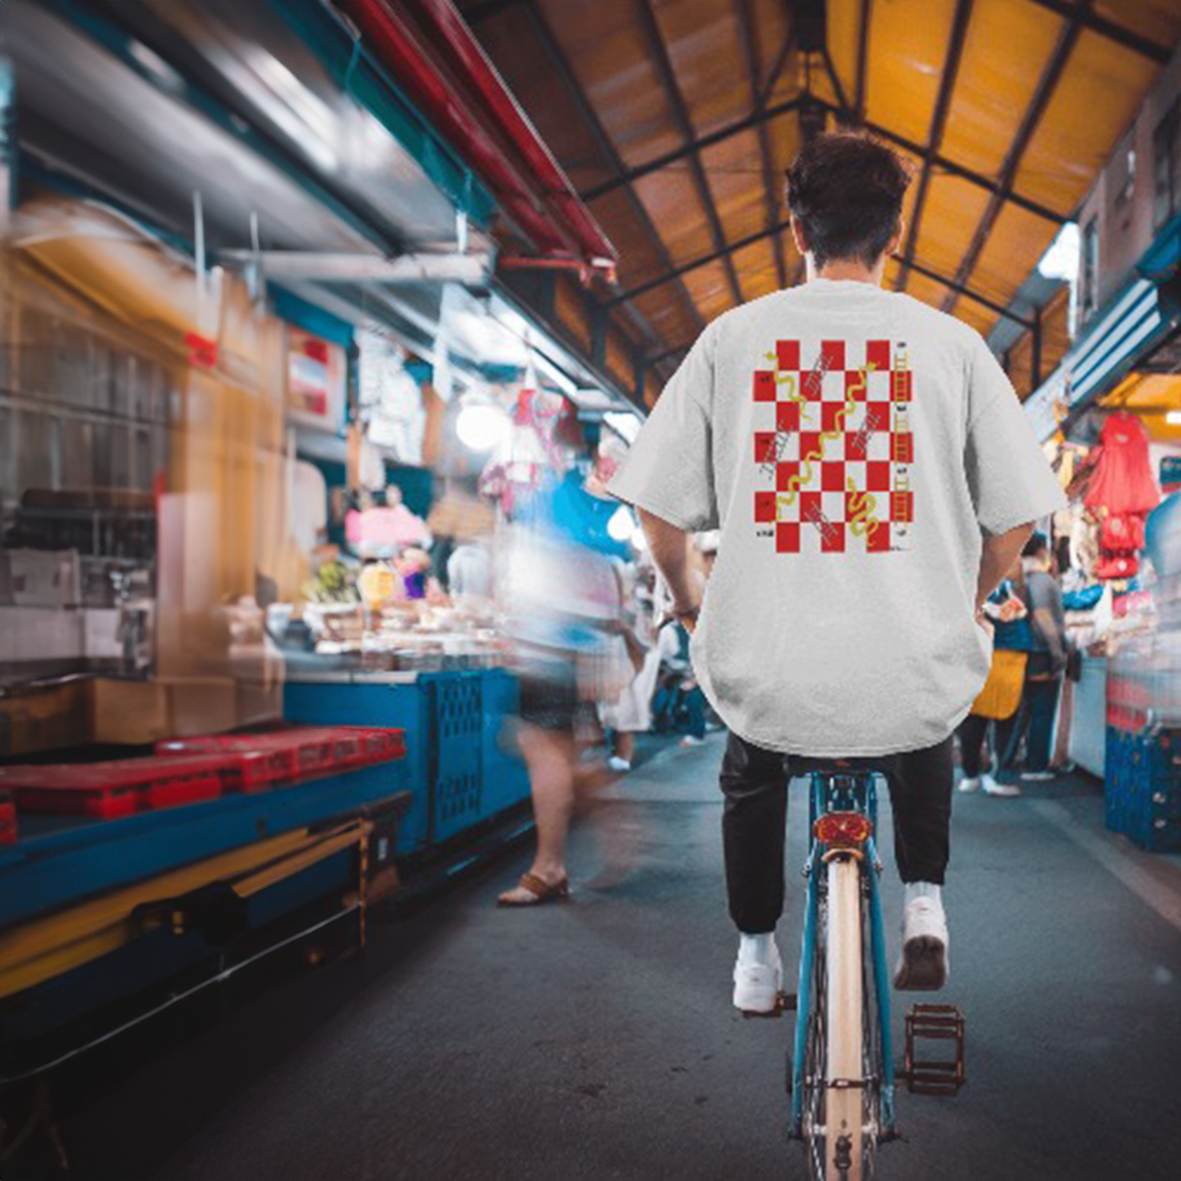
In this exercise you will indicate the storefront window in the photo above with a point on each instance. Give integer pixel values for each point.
(1166, 156)
(1090, 266)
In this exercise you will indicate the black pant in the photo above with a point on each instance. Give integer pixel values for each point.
(972, 730)
(1039, 704)
(754, 824)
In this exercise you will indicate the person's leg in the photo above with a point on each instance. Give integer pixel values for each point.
(971, 735)
(1042, 702)
(1006, 734)
(920, 793)
(754, 823)
(550, 759)
(695, 702)
(625, 746)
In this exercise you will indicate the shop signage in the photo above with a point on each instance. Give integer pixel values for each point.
(316, 373)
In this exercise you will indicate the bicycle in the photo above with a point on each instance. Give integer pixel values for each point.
(841, 1075)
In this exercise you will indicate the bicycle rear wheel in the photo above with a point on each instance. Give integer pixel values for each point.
(815, 1070)
(845, 1035)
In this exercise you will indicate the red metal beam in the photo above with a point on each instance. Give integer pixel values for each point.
(427, 46)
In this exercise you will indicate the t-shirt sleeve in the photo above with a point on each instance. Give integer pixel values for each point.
(669, 469)
(1009, 476)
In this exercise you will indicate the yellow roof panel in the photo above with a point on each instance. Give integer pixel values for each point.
(755, 265)
(710, 288)
(1099, 92)
(770, 28)
(1006, 48)
(606, 49)
(670, 197)
(732, 167)
(950, 215)
(907, 51)
(926, 290)
(1016, 234)
(668, 314)
(979, 317)
(703, 43)
(844, 35)
(783, 137)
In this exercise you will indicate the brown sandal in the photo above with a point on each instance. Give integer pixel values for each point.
(537, 891)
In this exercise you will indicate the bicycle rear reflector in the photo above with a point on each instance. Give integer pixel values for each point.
(843, 830)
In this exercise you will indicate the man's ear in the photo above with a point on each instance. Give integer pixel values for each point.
(797, 233)
(896, 241)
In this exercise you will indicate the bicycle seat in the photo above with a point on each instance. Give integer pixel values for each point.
(832, 765)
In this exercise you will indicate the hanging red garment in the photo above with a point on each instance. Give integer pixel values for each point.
(1123, 531)
(1117, 566)
(1123, 481)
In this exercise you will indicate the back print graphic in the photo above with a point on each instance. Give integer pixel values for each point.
(834, 448)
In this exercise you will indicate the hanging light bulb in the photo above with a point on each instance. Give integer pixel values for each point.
(621, 526)
(481, 426)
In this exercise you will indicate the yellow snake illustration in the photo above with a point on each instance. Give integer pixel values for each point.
(794, 483)
(861, 506)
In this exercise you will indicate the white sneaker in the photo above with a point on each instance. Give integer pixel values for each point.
(923, 965)
(757, 985)
(1038, 776)
(969, 784)
(692, 740)
(618, 764)
(990, 787)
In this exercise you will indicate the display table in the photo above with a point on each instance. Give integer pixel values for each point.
(1088, 721)
(460, 770)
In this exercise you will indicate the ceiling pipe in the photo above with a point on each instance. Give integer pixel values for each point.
(428, 48)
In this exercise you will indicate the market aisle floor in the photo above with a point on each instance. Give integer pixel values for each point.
(595, 1040)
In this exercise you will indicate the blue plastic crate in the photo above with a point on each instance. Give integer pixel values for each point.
(457, 755)
(506, 780)
(373, 702)
(1115, 785)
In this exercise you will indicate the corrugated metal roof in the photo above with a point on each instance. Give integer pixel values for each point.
(669, 117)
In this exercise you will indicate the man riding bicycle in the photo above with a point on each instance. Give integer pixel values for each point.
(873, 477)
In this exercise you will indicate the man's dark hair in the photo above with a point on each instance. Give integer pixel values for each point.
(1037, 545)
(846, 190)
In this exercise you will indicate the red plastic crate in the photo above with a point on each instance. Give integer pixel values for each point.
(118, 788)
(277, 757)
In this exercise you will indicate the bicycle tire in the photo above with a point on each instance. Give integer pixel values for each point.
(815, 1048)
(845, 1014)
(873, 1070)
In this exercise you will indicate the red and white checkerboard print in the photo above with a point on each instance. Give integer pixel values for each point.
(833, 448)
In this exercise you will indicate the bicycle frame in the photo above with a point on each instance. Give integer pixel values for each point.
(843, 793)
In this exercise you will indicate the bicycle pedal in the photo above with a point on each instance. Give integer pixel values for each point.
(934, 1076)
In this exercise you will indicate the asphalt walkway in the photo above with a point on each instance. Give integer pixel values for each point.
(595, 1040)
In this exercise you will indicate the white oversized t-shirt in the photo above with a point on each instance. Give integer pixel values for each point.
(851, 445)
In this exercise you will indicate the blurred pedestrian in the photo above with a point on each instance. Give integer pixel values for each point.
(1047, 658)
(559, 594)
(630, 712)
(999, 701)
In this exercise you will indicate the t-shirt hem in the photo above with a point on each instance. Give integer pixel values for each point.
(842, 752)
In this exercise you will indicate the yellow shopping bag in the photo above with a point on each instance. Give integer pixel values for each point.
(1002, 691)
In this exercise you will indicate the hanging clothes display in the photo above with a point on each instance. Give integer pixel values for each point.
(1121, 492)
(1123, 481)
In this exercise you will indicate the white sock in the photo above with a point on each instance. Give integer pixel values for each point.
(913, 890)
(756, 949)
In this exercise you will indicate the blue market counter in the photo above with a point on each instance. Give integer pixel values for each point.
(459, 767)
(96, 912)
